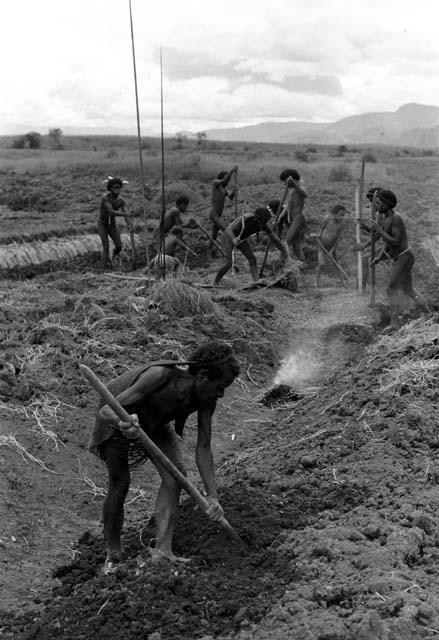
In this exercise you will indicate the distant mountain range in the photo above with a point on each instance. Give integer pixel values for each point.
(414, 125)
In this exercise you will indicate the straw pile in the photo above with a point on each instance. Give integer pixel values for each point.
(54, 250)
(179, 300)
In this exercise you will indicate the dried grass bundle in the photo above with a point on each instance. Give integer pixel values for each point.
(414, 335)
(411, 377)
(179, 300)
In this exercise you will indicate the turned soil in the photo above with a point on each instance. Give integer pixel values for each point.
(325, 447)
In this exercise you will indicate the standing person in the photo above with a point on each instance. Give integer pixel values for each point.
(361, 247)
(219, 195)
(294, 211)
(237, 234)
(112, 205)
(329, 237)
(397, 249)
(155, 395)
(172, 218)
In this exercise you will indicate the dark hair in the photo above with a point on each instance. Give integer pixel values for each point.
(114, 182)
(210, 356)
(388, 197)
(222, 174)
(274, 206)
(287, 173)
(262, 215)
(371, 193)
(177, 231)
(182, 200)
(336, 208)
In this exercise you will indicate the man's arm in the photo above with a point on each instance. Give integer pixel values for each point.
(275, 240)
(116, 212)
(397, 226)
(144, 386)
(204, 460)
(300, 189)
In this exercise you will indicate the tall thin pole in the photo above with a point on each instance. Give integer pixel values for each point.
(162, 216)
(372, 251)
(142, 178)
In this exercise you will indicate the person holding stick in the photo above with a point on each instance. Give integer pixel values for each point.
(328, 239)
(172, 218)
(112, 205)
(219, 195)
(237, 235)
(365, 227)
(396, 248)
(170, 261)
(155, 395)
(293, 212)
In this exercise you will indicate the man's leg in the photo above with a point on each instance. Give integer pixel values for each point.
(398, 272)
(294, 237)
(168, 496)
(115, 236)
(228, 248)
(247, 251)
(321, 262)
(407, 285)
(115, 455)
(103, 234)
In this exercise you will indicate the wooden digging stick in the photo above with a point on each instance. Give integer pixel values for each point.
(372, 252)
(156, 454)
(334, 261)
(276, 220)
(358, 239)
(215, 244)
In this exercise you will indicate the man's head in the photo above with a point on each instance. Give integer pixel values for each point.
(114, 185)
(262, 216)
(386, 200)
(273, 205)
(182, 203)
(371, 193)
(214, 366)
(338, 211)
(177, 231)
(222, 174)
(289, 173)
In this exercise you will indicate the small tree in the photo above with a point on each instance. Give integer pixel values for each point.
(33, 139)
(201, 137)
(55, 138)
(19, 143)
(179, 139)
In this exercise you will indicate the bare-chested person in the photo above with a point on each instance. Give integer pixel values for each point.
(362, 246)
(170, 261)
(112, 205)
(294, 211)
(219, 195)
(237, 236)
(172, 218)
(155, 395)
(397, 249)
(329, 237)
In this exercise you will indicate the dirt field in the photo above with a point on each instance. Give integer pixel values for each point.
(331, 479)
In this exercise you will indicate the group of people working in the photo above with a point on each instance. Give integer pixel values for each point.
(278, 215)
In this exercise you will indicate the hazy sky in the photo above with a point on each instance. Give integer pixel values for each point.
(233, 62)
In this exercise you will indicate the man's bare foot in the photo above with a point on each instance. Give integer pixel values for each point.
(157, 555)
(111, 563)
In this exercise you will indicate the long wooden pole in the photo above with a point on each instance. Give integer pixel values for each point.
(358, 240)
(214, 242)
(161, 262)
(156, 454)
(267, 249)
(372, 252)
(139, 139)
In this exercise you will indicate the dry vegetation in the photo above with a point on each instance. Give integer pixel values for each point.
(334, 488)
